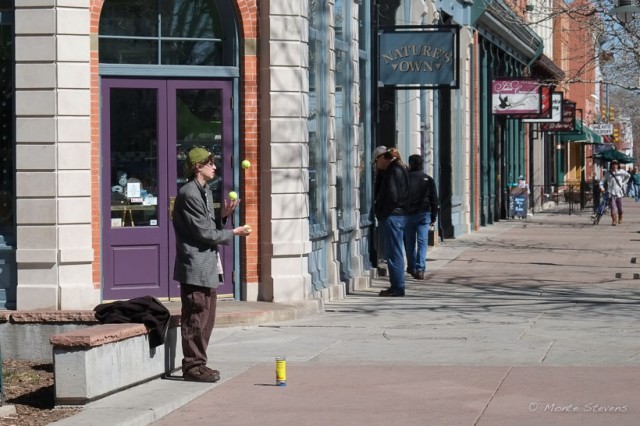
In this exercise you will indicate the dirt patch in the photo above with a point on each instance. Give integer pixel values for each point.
(28, 386)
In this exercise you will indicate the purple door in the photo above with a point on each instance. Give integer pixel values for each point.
(147, 126)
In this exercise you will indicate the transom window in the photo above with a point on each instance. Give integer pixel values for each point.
(165, 32)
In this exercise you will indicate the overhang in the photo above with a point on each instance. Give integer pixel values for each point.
(495, 20)
(544, 68)
(583, 134)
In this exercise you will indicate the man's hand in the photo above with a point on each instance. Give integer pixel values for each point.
(242, 231)
(229, 207)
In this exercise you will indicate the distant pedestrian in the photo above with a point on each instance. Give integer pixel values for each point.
(614, 182)
(634, 184)
(377, 240)
(198, 234)
(423, 212)
(391, 206)
(522, 183)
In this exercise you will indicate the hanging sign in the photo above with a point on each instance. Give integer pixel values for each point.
(418, 57)
(567, 122)
(545, 104)
(516, 96)
(603, 129)
(556, 111)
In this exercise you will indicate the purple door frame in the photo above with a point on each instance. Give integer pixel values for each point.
(138, 261)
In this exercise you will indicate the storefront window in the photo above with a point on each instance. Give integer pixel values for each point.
(317, 120)
(7, 154)
(134, 157)
(363, 117)
(344, 207)
(167, 32)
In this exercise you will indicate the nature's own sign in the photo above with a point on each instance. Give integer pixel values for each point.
(418, 57)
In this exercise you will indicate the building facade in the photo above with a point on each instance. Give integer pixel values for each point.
(107, 96)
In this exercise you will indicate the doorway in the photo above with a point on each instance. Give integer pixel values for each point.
(148, 126)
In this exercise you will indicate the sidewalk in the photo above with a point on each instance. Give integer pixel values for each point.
(523, 322)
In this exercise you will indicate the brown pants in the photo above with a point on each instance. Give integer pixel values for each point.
(197, 319)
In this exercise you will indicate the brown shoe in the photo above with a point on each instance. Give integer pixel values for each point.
(418, 275)
(201, 373)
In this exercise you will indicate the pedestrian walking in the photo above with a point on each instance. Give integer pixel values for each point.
(198, 234)
(391, 206)
(634, 182)
(422, 213)
(614, 182)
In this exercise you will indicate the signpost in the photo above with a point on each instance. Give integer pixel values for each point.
(603, 129)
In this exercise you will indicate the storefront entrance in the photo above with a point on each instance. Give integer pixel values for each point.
(147, 128)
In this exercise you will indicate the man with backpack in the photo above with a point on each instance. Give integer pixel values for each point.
(614, 182)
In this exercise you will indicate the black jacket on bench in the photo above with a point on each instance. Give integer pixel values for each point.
(145, 310)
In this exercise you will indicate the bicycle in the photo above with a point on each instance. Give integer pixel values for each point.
(602, 208)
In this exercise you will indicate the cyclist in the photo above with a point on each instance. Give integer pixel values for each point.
(614, 182)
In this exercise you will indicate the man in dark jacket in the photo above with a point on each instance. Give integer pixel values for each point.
(423, 212)
(391, 204)
(198, 235)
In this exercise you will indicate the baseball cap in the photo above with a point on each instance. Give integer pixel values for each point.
(378, 152)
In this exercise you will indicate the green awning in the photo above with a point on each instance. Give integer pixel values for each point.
(614, 154)
(583, 134)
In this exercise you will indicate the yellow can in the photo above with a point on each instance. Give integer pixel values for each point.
(281, 371)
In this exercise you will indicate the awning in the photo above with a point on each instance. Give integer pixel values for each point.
(544, 69)
(583, 134)
(614, 154)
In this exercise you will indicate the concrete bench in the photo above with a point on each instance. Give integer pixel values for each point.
(25, 335)
(92, 362)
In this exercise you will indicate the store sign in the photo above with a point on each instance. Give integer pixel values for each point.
(545, 109)
(567, 122)
(516, 96)
(603, 129)
(556, 110)
(418, 57)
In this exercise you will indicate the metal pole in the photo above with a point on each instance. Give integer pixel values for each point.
(2, 396)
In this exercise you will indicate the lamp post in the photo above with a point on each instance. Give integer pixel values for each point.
(625, 10)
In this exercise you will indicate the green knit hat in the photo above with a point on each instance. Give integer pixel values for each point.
(196, 156)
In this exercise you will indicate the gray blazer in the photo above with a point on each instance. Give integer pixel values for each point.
(198, 235)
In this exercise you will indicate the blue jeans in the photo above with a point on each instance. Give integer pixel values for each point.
(393, 232)
(416, 234)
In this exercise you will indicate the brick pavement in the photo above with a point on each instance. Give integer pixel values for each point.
(521, 323)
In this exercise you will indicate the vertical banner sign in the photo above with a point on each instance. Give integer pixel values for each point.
(556, 111)
(516, 96)
(545, 104)
(418, 57)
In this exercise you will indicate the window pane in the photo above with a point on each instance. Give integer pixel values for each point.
(190, 19)
(134, 157)
(134, 18)
(314, 14)
(342, 163)
(315, 151)
(117, 51)
(339, 19)
(7, 172)
(365, 168)
(191, 53)
(199, 124)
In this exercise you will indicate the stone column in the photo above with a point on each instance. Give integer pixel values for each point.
(53, 162)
